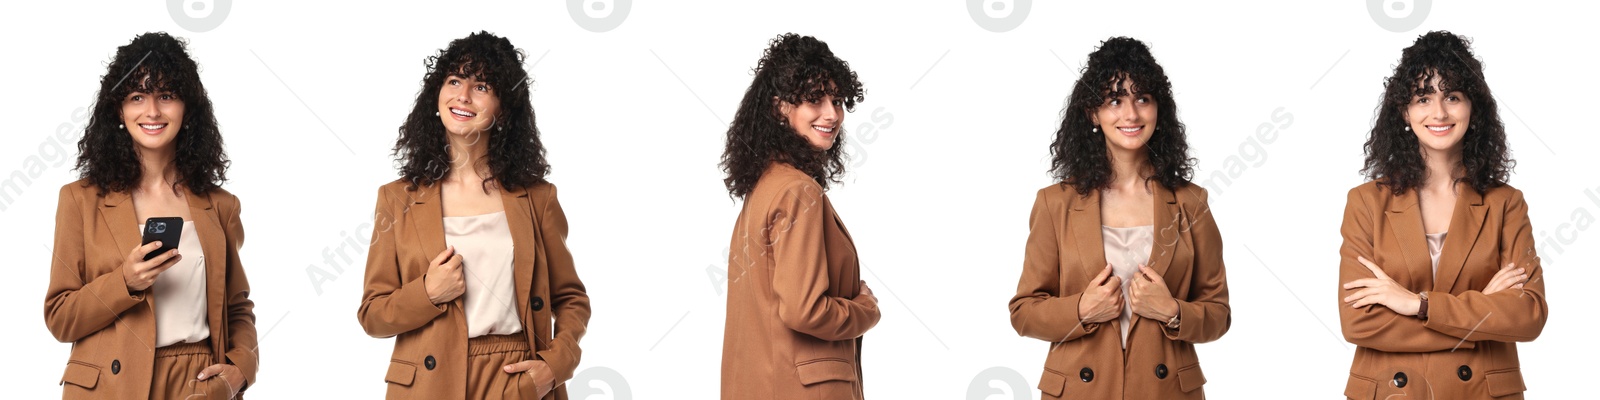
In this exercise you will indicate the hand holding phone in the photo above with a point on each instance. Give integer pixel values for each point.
(158, 252)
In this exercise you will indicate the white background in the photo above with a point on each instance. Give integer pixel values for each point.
(310, 94)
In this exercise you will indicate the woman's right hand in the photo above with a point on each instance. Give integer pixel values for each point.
(1102, 300)
(445, 280)
(139, 274)
(1509, 277)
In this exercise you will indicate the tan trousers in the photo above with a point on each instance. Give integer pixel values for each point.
(487, 355)
(175, 371)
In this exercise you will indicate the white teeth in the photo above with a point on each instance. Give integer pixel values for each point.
(152, 126)
(462, 113)
(823, 129)
(1130, 130)
(1440, 128)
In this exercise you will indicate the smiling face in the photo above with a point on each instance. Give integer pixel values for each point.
(1439, 119)
(817, 120)
(153, 118)
(467, 106)
(1127, 119)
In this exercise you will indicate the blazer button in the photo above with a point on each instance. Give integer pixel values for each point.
(116, 366)
(1086, 374)
(537, 303)
(1161, 371)
(1399, 379)
(1465, 373)
(429, 363)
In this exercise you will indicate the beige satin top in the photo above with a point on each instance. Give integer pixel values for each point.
(484, 243)
(180, 294)
(1127, 249)
(1435, 247)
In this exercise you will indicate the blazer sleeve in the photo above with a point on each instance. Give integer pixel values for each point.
(77, 305)
(1378, 327)
(800, 274)
(569, 299)
(1505, 316)
(1205, 315)
(1039, 310)
(242, 346)
(390, 307)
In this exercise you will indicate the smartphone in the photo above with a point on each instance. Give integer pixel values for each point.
(168, 230)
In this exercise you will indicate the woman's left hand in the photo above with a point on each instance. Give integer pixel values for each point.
(1149, 296)
(543, 379)
(1381, 290)
(230, 374)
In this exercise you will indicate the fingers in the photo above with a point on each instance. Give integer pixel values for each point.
(448, 253)
(1361, 283)
(1115, 282)
(159, 268)
(1100, 280)
(163, 258)
(210, 371)
(1148, 273)
(518, 366)
(1377, 272)
(1363, 293)
(145, 249)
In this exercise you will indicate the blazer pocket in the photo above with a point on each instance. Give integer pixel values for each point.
(81, 374)
(1190, 378)
(400, 373)
(825, 369)
(1052, 382)
(1505, 382)
(1360, 388)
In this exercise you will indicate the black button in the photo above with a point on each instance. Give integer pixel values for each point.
(1464, 373)
(429, 363)
(1086, 374)
(1161, 371)
(116, 366)
(537, 303)
(1399, 379)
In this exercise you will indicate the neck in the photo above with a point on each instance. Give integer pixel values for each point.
(1128, 167)
(158, 169)
(467, 153)
(1443, 168)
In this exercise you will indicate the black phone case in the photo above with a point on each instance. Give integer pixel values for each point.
(168, 230)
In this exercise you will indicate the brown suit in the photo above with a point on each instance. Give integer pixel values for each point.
(430, 352)
(794, 322)
(113, 331)
(1465, 349)
(1087, 360)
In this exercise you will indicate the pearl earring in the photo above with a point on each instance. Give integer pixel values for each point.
(121, 126)
(1408, 129)
(435, 113)
(1095, 129)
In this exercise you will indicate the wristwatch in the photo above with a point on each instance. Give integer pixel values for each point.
(1422, 311)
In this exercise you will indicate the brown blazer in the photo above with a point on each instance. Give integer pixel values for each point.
(1087, 360)
(1466, 349)
(794, 322)
(430, 349)
(113, 331)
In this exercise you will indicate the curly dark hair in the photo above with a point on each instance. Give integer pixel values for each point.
(1394, 158)
(1079, 156)
(151, 63)
(794, 69)
(516, 158)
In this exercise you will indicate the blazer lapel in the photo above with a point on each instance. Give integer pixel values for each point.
(116, 208)
(1465, 224)
(1405, 218)
(427, 219)
(1169, 223)
(213, 245)
(1083, 223)
(520, 219)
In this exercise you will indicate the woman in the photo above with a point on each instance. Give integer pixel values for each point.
(1438, 276)
(177, 323)
(1123, 272)
(471, 242)
(797, 308)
